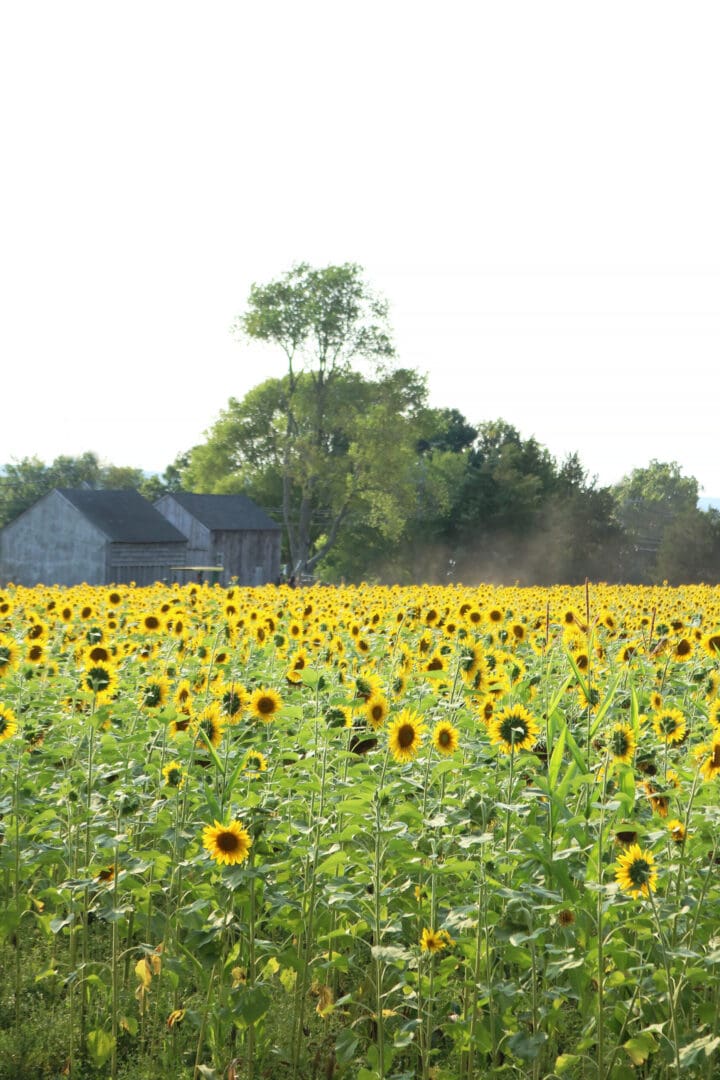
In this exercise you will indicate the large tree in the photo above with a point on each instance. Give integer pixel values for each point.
(358, 479)
(323, 321)
(648, 501)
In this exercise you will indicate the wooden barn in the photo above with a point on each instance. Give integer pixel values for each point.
(229, 531)
(71, 536)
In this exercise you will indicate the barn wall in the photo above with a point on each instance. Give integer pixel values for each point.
(52, 544)
(253, 557)
(144, 563)
(198, 535)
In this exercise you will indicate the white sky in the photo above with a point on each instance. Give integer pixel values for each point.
(534, 186)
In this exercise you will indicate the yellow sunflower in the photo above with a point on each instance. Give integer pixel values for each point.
(232, 698)
(8, 722)
(265, 704)
(376, 710)
(228, 844)
(210, 724)
(405, 735)
(445, 737)
(677, 831)
(513, 729)
(173, 774)
(622, 743)
(635, 871)
(681, 651)
(707, 757)
(154, 692)
(434, 941)
(100, 678)
(254, 763)
(711, 644)
(8, 654)
(669, 725)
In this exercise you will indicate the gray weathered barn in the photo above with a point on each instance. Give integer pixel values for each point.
(229, 531)
(71, 536)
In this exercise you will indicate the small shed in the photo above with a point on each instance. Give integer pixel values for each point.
(229, 531)
(76, 535)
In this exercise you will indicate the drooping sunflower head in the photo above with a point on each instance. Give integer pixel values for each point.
(209, 725)
(100, 678)
(622, 743)
(8, 654)
(254, 763)
(677, 831)
(707, 758)
(405, 735)
(232, 698)
(682, 650)
(227, 844)
(635, 871)
(8, 722)
(445, 738)
(513, 729)
(173, 774)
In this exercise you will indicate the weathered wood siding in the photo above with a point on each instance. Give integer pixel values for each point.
(250, 555)
(198, 535)
(253, 557)
(52, 544)
(143, 563)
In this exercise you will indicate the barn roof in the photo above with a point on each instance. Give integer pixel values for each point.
(123, 516)
(225, 512)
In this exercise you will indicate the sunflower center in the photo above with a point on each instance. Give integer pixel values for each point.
(266, 706)
(406, 736)
(668, 725)
(228, 842)
(639, 872)
(231, 703)
(152, 696)
(377, 712)
(152, 622)
(444, 737)
(4, 655)
(513, 730)
(3, 725)
(683, 647)
(98, 678)
(716, 757)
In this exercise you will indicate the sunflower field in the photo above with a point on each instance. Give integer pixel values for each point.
(367, 833)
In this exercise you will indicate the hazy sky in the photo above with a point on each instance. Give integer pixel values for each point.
(534, 187)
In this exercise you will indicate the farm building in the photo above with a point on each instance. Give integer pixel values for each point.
(71, 536)
(229, 531)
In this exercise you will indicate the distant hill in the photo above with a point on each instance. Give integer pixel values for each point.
(712, 502)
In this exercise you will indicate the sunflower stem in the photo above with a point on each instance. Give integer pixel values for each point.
(671, 989)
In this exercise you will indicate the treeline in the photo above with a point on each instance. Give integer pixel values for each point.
(370, 482)
(474, 503)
